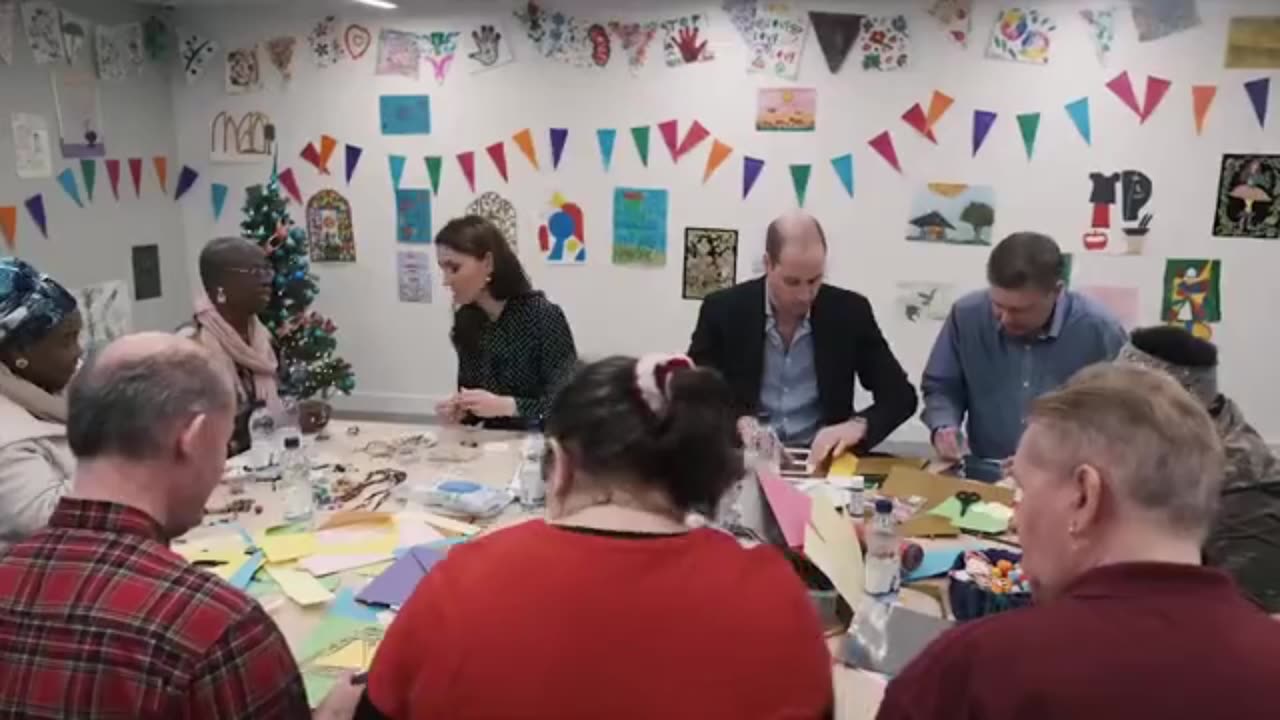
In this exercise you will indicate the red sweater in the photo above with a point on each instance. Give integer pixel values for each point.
(537, 621)
(1139, 640)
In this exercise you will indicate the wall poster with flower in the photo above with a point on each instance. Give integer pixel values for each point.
(1022, 36)
(884, 42)
(329, 228)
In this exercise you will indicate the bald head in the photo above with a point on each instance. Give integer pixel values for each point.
(796, 228)
(133, 395)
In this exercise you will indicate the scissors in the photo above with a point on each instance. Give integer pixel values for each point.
(967, 498)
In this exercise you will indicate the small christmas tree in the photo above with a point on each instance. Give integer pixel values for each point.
(304, 339)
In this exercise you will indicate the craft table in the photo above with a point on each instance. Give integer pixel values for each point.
(496, 457)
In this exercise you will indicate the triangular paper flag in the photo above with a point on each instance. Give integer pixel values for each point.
(719, 153)
(290, 184)
(938, 106)
(605, 138)
(1079, 112)
(498, 154)
(641, 137)
(524, 141)
(883, 144)
(1156, 89)
(434, 164)
(135, 172)
(218, 196)
(353, 159)
(982, 122)
(395, 164)
(1201, 98)
(1123, 89)
(186, 178)
(800, 181)
(467, 161)
(9, 226)
(161, 165)
(67, 180)
(558, 138)
(1259, 91)
(89, 171)
(1029, 126)
(113, 176)
(843, 165)
(836, 33)
(327, 145)
(35, 208)
(668, 130)
(914, 116)
(312, 155)
(751, 168)
(694, 135)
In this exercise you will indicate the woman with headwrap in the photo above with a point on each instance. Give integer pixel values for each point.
(39, 351)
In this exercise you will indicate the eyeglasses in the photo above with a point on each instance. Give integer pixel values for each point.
(259, 273)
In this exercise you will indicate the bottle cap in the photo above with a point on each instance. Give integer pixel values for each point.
(292, 443)
(884, 506)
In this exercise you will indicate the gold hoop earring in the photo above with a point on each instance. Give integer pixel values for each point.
(221, 297)
(21, 363)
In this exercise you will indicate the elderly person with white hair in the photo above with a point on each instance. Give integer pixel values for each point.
(1119, 473)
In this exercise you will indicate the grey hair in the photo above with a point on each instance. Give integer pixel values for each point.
(128, 406)
(1144, 432)
(1025, 260)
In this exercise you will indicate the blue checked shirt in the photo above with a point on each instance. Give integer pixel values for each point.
(789, 386)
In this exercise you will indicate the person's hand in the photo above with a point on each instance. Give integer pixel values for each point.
(484, 404)
(341, 702)
(835, 440)
(747, 429)
(948, 444)
(450, 411)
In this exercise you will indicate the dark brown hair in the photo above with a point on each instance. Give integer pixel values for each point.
(1025, 260)
(476, 237)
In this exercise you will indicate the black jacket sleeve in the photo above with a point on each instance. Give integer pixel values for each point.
(882, 375)
(706, 347)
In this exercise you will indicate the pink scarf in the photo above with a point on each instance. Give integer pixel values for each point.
(226, 344)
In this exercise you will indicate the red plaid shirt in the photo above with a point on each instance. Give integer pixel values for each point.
(99, 619)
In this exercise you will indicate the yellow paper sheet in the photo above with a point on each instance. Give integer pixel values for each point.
(226, 549)
(344, 518)
(300, 586)
(449, 525)
(357, 655)
(291, 546)
(831, 542)
(844, 466)
(355, 542)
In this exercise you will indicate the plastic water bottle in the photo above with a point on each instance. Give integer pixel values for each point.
(883, 562)
(299, 495)
(530, 482)
(262, 440)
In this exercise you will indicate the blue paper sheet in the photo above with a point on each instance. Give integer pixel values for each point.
(344, 605)
(934, 564)
(244, 575)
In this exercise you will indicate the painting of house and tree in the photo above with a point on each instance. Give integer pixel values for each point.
(953, 213)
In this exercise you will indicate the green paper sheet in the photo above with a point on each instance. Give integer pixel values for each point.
(263, 585)
(318, 685)
(975, 519)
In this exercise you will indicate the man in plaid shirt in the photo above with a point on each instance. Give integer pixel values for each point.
(98, 618)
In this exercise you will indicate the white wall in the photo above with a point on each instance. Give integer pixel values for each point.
(92, 245)
(401, 352)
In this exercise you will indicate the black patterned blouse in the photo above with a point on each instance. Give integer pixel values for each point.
(527, 353)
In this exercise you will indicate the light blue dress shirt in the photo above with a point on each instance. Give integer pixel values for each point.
(789, 385)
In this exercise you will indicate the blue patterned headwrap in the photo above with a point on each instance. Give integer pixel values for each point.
(31, 303)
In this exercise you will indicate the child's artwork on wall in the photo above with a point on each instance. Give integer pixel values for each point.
(1253, 42)
(356, 40)
(325, 42)
(1155, 19)
(118, 50)
(956, 18)
(775, 38)
(44, 30)
(244, 74)
(75, 30)
(919, 301)
(1192, 295)
(329, 228)
(1135, 191)
(248, 138)
(1122, 301)
(786, 109)
(106, 313)
(486, 47)
(75, 94)
(639, 227)
(953, 213)
(710, 261)
(413, 216)
(562, 238)
(635, 39)
(413, 276)
(685, 40)
(280, 53)
(399, 53)
(1022, 35)
(500, 211)
(565, 38)
(1247, 197)
(405, 114)
(885, 43)
(1102, 26)
(32, 149)
(194, 52)
(438, 50)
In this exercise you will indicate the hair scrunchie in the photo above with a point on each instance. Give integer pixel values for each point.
(653, 379)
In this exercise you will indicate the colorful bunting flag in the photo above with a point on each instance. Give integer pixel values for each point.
(843, 165)
(161, 165)
(836, 33)
(751, 168)
(113, 176)
(135, 172)
(68, 182)
(35, 208)
(524, 141)
(467, 161)
(800, 181)
(605, 138)
(692, 138)
(498, 154)
(883, 144)
(915, 117)
(1123, 89)
(669, 130)
(982, 122)
(395, 164)
(939, 104)
(1201, 98)
(9, 226)
(327, 145)
(558, 138)
(89, 170)
(186, 179)
(1029, 126)
(1259, 92)
(435, 164)
(1156, 90)
(641, 137)
(312, 155)
(290, 185)
(1078, 110)
(719, 153)
(218, 196)
(353, 159)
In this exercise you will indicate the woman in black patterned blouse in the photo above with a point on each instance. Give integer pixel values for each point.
(514, 345)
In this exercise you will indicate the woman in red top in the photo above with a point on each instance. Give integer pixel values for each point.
(612, 607)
